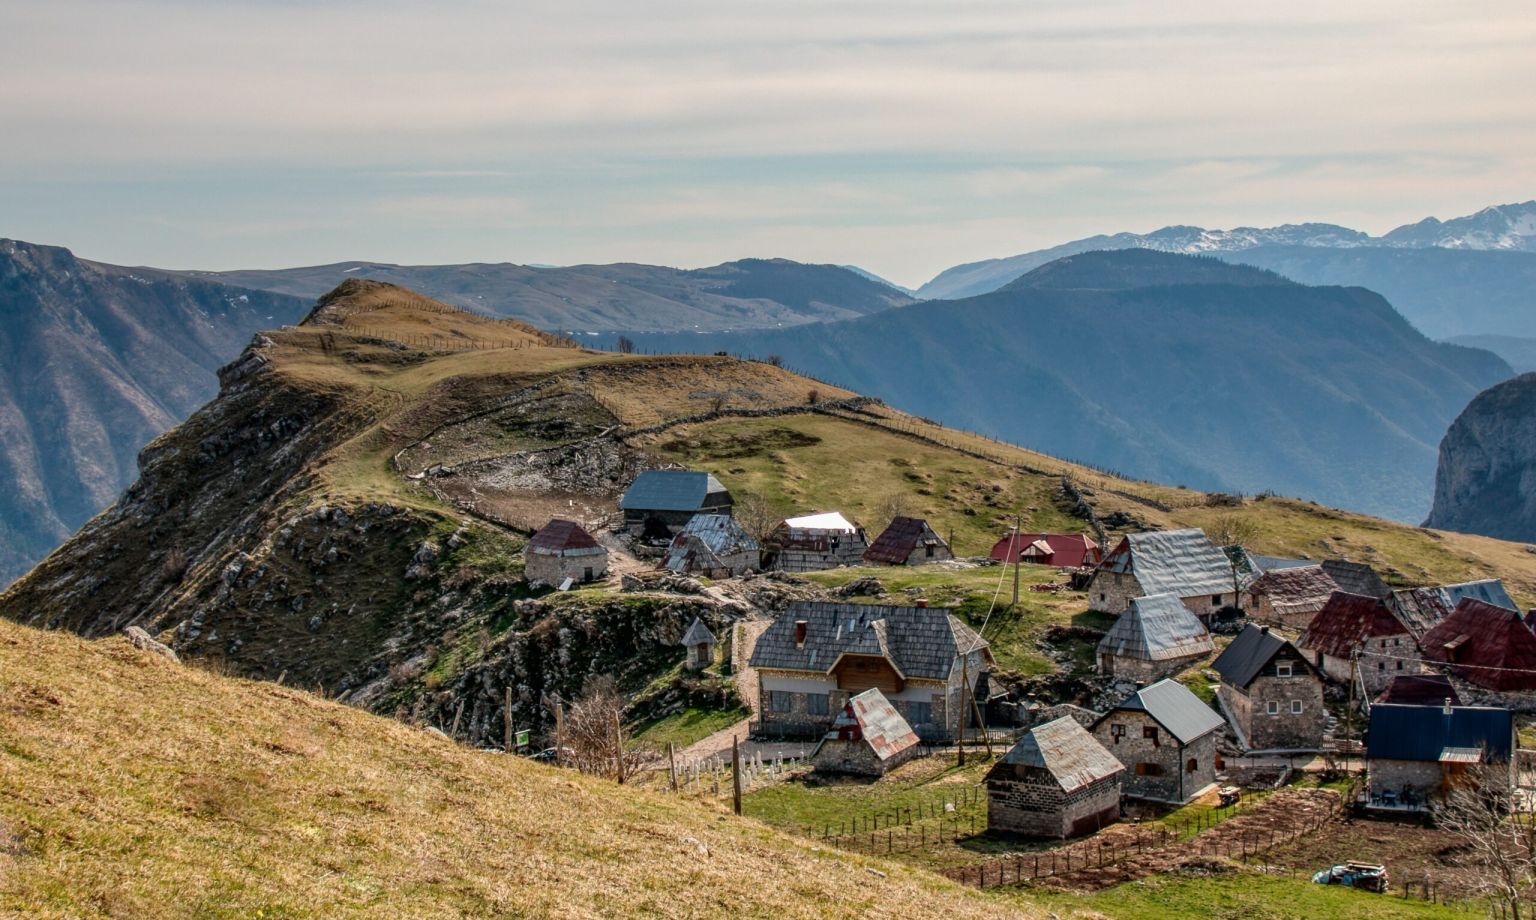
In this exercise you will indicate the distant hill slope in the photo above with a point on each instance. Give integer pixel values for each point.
(1470, 275)
(1486, 480)
(1520, 353)
(132, 786)
(751, 293)
(1237, 381)
(99, 359)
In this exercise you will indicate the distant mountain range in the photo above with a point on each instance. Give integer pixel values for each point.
(624, 297)
(97, 360)
(1472, 275)
(1168, 367)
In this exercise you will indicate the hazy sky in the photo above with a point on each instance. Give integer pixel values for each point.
(902, 137)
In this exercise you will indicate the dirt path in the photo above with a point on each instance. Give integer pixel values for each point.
(747, 634)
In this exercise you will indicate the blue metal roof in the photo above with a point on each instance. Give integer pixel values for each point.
(1489, 591)
(670, 490)
(1424, 732)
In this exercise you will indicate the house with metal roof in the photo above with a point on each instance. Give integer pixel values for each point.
(1165, 736)
(1257, 563)
(1288, 597)
(1415, 755)
(869, 738)
(814, 542)
(1157, 637)
(1360, 639)
(713, 546)
(907, 541)
(1062, 550)
(1271, 695)
(660, 502)
(1058, 781)
(1183, 563)
(1420, 690)
(1355, 578)
(700, 643)
(1423, 608)
(561, 551)
(1488, 651)
(815, 656)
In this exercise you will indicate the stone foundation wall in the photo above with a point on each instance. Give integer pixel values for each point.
(1142, 670)
(1286, 729)
(856, 757)
(554, 570)
(1034, 804)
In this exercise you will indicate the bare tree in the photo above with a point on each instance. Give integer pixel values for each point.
(756, 516)
(593, 730)
(626, 345)
(891, 506)
(1498, 827)
(775, 360)
(813, 397)
(1232, 532)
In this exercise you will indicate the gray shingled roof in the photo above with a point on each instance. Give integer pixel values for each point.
(1067, 751)
(698, 633)
(1355, 578)
(1157, 628)
(670, 490)
(1421, 609)
(1181, 562)
(1182, 714)
(871, 717)
(1295, 589)
(921, 642)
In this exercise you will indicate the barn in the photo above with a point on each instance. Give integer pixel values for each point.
(714, 546)
(1056, 782)
(814, 542)
(659, 503)
(1062, 550)
(907, 541)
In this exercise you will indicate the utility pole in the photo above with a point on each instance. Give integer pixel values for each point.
(1349, 708)
(506, 717)
(965, 684)
(559, 733)
(1018, 555)
(736, 775)
(672, 763)
(618, 746)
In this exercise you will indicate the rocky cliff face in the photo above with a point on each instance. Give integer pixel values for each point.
(1486, 482)
(95, 360)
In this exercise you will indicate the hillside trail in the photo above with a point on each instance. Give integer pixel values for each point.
(719, 743)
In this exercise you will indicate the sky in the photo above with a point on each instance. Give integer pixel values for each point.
(903, 137)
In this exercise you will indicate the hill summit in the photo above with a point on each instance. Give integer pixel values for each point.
(1128, 269)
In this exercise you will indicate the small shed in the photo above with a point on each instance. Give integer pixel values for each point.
(714, 546)
(1156, 638)
(562, 550)
(907, 541)
(1057, 782)
(700, 643)
(869, 738)
(659, 503)
(813, 542)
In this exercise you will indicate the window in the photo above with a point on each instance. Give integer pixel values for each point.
(929, 549)
(1192, 766)
(1381, 665)
(1273, 708)
(818, 704)
(1149, 769)
(1397, 641)
(1102, 596)
(1283, 669)
(1150, 732)
(1215, 600)
(779, 701)
(1116, 731)
(919, 713)
(1295, 707)
(1399, 665)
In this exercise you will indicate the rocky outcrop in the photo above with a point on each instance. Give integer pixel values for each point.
(1486, 482)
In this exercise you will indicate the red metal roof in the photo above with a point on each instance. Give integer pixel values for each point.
(1068, 550)
(1486, 645)
(1346, 621)
(1420, 690)
(560, 536)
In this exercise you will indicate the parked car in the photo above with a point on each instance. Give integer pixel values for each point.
(1364, 876)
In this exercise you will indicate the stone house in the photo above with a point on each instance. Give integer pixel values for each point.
(815, 656)
(869, 738)
(1288, 597)
(700, 643)
(1156, 638)
(1416, 754)
(1360, 638)
(1062, 550)
(714, 546)
(1422, 609)
(659, 503)
(1056, 782)
(907, 541)
(563, 550)
(1179, 562)
(1165, 736)
(816, 542)
(1270, 693)
(1488, 652)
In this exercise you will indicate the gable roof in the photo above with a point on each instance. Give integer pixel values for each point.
(1182, 714)
(1253, 648)
(1259, 564)
(1420, 690)
(1065, 750)
(698, 634)
(1422, 608)
(1356, 578)
(898, 540)
(1346, 621)
(1069, 549)
(719, 534)
(1181, 562)
(920, 642)
(1488, 590)
(561, 537)
(1486, 645)
(1425, 733)
(830, 520)
(1157, 628)
(871, 718)
(670, 490)
(1295, 589)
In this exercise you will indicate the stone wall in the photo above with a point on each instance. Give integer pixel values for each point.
(856, 757)
(1397, 776)
(1112, 592)
(1261, 609)
(1284, 729)
(554, 570)
(1157, 768)
(1142, 670)
(1029, 801)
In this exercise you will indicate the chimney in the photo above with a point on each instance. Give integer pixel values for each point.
(1447, 709)
(800, 626)
(922, 602)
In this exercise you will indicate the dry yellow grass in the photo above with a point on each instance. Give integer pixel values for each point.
(131, 786)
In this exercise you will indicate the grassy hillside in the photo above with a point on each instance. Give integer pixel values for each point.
(131, 786)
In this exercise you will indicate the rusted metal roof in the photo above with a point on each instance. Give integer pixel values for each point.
(1180, 562)
(1157, 628)
(870, 717)
(1420, 690)
(564, 538)
(900, 540)
(1346, 621)
(1065, 750)
(1297, 589)
(1486, 645)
